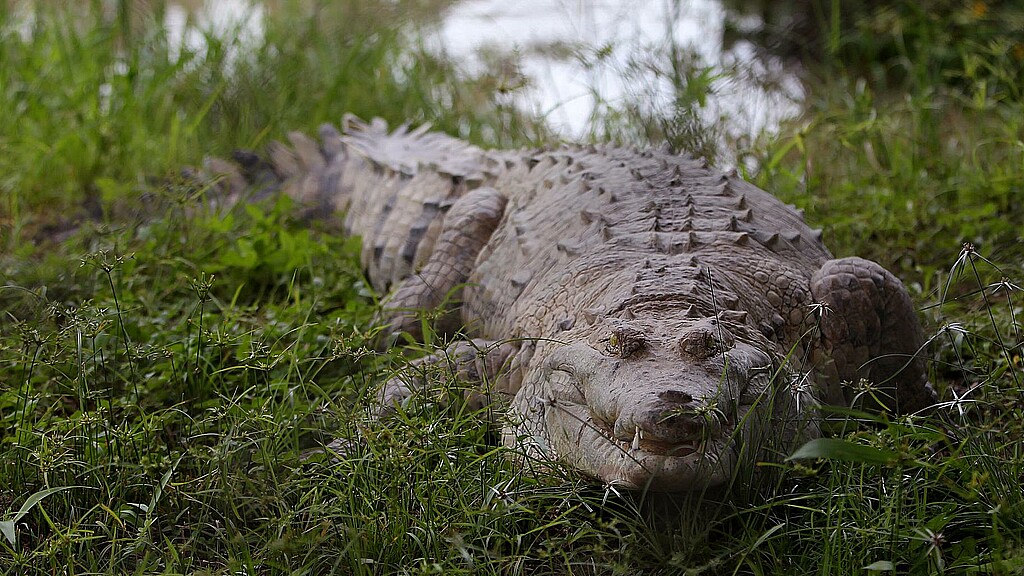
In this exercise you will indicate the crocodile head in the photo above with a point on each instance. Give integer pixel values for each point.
(645, 406)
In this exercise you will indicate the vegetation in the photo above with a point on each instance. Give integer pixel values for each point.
(162, 376)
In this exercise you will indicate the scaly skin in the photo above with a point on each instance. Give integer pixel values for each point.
(639, 316)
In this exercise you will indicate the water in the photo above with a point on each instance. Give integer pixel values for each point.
(628, 35)
(605, 52)
(239, 17)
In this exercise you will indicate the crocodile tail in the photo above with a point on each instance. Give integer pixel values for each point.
(311, 172)
(307, 171)
(407, 151)
(394, 186)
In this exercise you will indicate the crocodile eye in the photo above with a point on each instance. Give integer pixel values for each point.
(625, 342)
(702, 343)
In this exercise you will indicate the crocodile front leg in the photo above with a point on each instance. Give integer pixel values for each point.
(869, 330)
(468, 226)
(492, 372)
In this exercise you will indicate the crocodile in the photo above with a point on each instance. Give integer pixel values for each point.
(637, 315)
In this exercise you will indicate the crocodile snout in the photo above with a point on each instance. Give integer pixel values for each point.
(668, 416)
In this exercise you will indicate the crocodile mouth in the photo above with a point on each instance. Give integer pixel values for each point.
(674, 450)
(640, 464)
(669, 466)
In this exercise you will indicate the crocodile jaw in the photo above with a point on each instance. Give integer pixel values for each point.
(638, 464)
(648, 422)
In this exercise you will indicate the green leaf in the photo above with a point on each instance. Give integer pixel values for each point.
(7, 526)
(880, 566)
(843, 450)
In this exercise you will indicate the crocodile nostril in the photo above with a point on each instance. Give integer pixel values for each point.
(675, 396)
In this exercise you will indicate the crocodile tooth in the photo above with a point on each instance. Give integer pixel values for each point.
(636, 439)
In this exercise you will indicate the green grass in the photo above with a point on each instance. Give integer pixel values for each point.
(160, 377)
